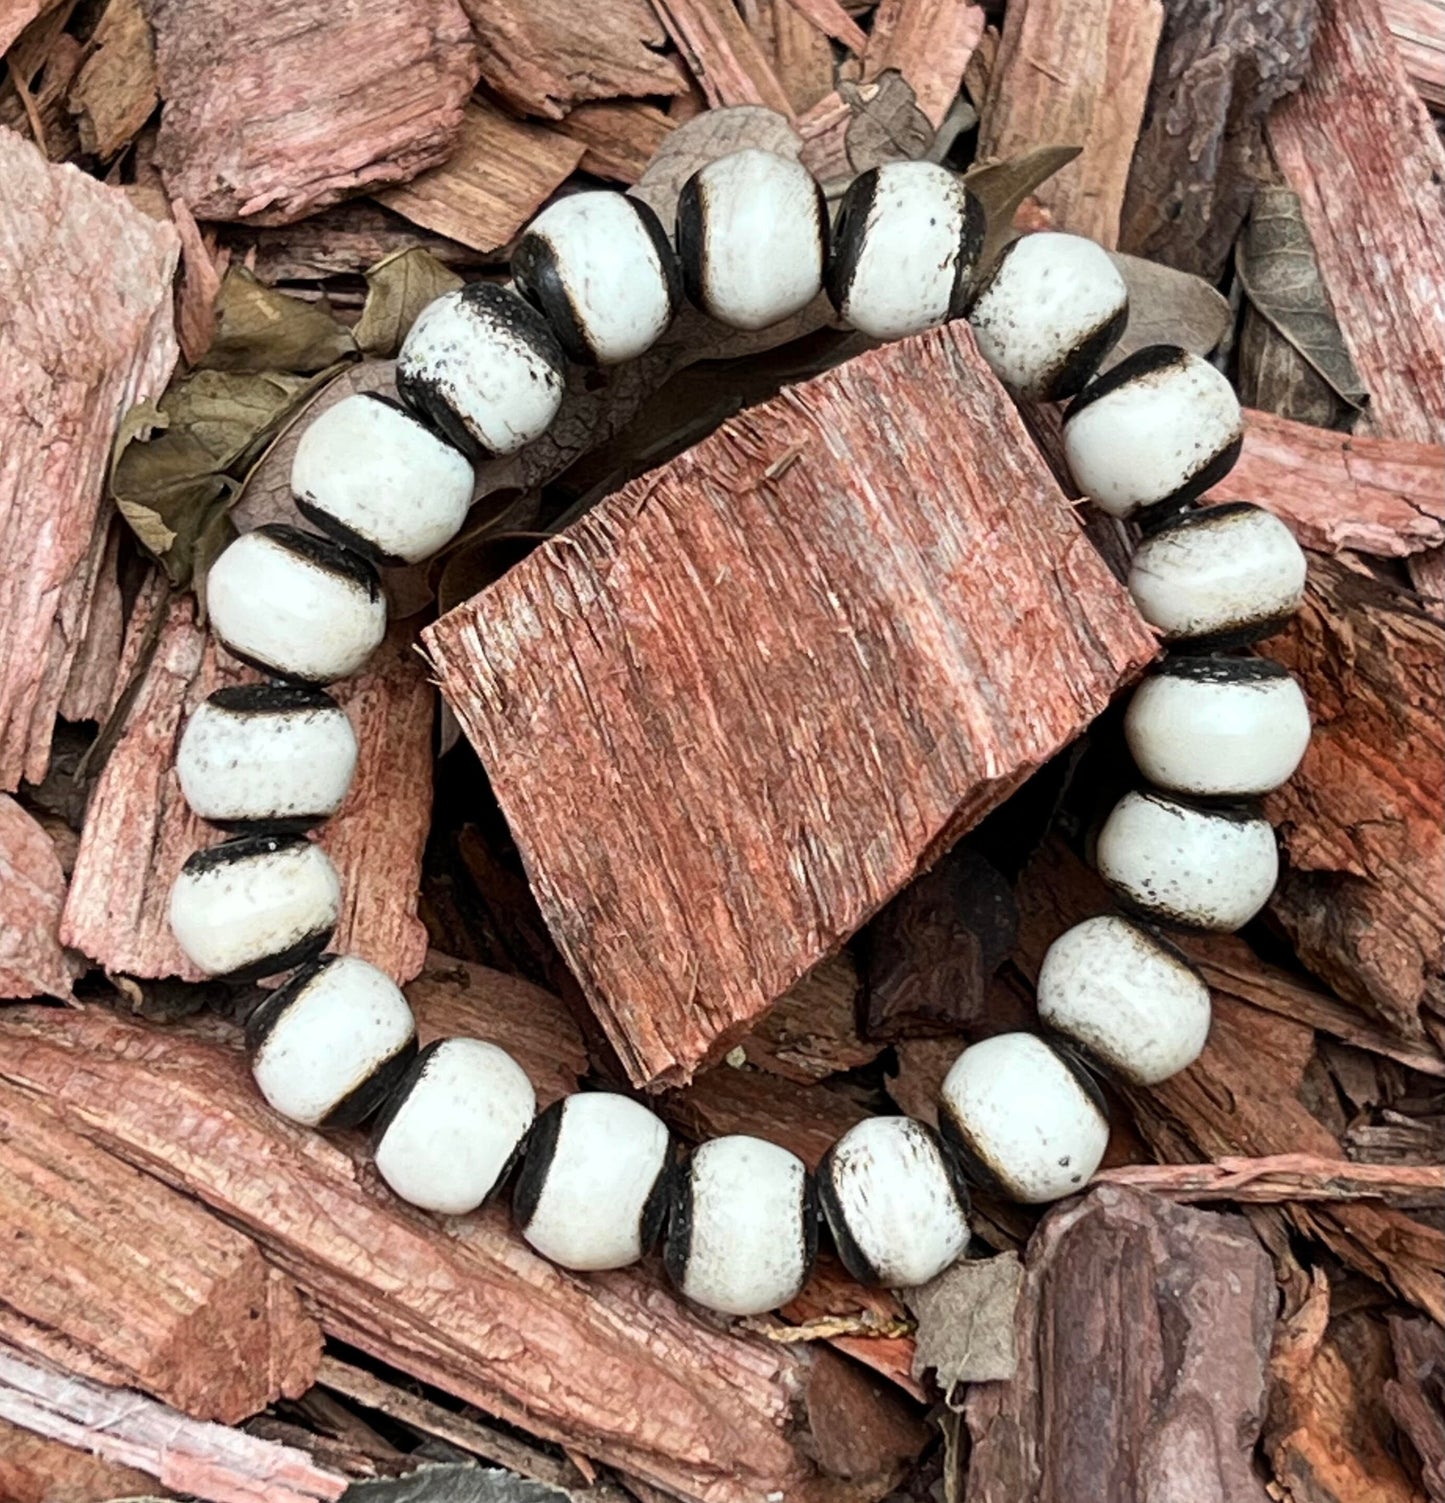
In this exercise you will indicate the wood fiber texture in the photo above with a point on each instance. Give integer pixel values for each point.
(274, 108)
(85, 304)
(610, 1364)
(747, 698)
(1144, 1336)
(139, 829)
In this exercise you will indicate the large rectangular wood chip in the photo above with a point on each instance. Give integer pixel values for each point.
(740, 704)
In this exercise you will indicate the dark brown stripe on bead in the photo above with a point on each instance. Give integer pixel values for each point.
(854, 1259)
(1149, 361)
(325, 554)
(402, 1091)
(242, 848)
(677, 1248)
(1076, 368)
(271, 699)
(975, 228)
(692, 241)
(666, 256)
(849, 237)
(539, 1149)
(1222, 670)
(348, 537)
(357, 1105)
(539, 279)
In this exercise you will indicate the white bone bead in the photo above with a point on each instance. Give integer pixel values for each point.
(894, 1201)
(1208, 868)
(752, 236)
(1021, 1117)
(482, 365)
(1220, 576)
(1052, 308)
(266, 754)
(600, 267)
(1161, 426)
(908, 239)
(1218, 727)
(328, 1046)
(376, 478)
(296, 605)
(255, 906)
(1127, 996)
(453, 1126)
(592, 1192)
(742, 1231)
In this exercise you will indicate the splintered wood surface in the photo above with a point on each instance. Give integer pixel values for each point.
(610, 1364)
(1074, 72)
(1340, 490)
(1360, 149)
(32, 893)
(110, 1274)
(735, 708)
(273, 109)
(85, 300)
(139, 830)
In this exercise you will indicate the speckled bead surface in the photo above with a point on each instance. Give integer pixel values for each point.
(1208, 868)
(904, 252)
(894, 1200)
(1127, 996)
(743, 1226)
(1218, 727)
(1047, 314)
(752, 237)
(600, 267)
(453, 1125)
(255, 906)
(1159, 429)
(1023, 1118)
(327, 1046)
(1220, 576)
(372, 475)
(592, 1191)
(483, 366)
(270, 756)
(296, 605)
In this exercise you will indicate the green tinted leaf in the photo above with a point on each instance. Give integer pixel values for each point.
(398, 287)
(177, 466)
(260, 329)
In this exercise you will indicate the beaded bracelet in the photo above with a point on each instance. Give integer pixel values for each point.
(482, 373)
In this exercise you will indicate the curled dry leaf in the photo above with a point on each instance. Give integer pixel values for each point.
(398, 287)
(176, 465)
(1002, 186)
(1168, 307)
(705, 138)
(886, 124)
(1276, 265)
(259, 329)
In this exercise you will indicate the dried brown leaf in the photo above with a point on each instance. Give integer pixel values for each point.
(398, 287)
(259, 329)
(1274, 377)
(1002, 186)
(886, 123)
(1168, 307)
(965, 1319)
(176, 465)
(705, 138)
(1276, 265)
